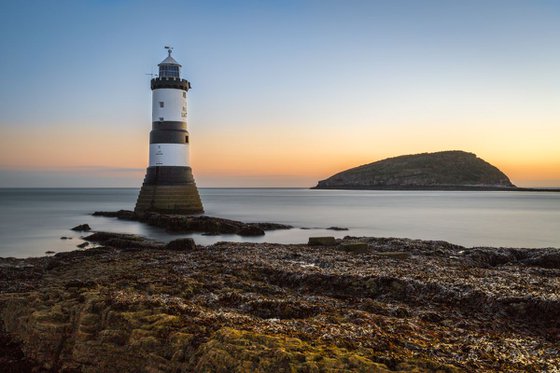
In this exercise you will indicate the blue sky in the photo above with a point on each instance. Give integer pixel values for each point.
(307, 88)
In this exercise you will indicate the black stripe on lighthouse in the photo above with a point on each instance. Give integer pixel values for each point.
(169, 125)
(169, 133)
(168, 176)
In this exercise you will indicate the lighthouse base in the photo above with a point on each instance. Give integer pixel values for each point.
(169, 190)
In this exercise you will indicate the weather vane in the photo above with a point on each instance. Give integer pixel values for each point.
(169, 49)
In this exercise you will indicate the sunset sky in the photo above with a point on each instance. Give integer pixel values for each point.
(285, 93)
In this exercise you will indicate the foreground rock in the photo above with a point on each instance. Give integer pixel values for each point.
(131, 305)
(195, 223)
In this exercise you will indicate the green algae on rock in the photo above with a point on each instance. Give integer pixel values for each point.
(274, 308)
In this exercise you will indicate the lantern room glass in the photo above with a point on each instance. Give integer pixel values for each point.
(169, 71)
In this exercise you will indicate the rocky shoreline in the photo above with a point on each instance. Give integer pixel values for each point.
(194, 223)
(356, 304)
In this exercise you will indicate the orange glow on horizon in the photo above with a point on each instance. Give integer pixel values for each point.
(66, 147)
(296, 156)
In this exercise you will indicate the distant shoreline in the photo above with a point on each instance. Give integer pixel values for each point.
(451, 188)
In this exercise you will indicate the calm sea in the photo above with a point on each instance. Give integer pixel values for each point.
(33, 220)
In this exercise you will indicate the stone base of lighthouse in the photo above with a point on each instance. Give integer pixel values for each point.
(169, 190)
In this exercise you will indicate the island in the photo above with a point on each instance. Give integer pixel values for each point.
(447, 170)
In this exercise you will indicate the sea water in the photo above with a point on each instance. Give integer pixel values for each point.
(32, 221)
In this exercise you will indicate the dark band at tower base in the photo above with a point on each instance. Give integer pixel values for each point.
(169, 190)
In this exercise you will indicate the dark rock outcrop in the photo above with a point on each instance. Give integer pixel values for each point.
(322, 241)
(12, 358)
(195, 224)
(448, 170)
(82, 228)
(122, 241)
(181, 244)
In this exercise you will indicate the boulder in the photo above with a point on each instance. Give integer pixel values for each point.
(82, 228)
(322, 241)
(181, 244)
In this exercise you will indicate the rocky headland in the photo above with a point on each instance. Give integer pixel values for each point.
(358, 304)
(447, 170)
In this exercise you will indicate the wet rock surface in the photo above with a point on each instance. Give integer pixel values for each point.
(181, 244)
(195, 223)
(82, 228)
(322, 241)
(395, 305)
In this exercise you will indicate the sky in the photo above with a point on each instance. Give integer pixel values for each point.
(284, 93)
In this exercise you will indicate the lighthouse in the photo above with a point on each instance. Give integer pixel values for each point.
(169, 185)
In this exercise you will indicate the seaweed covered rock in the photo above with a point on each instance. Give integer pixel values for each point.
(228, 350)
(274, 308)
(181, 244)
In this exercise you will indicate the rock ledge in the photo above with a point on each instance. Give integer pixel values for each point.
(195, 223)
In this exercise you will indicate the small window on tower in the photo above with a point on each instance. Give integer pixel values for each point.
(185, 94)
(161, 104)
(187, 139)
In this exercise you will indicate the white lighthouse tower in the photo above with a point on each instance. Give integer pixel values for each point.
(169, 185)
